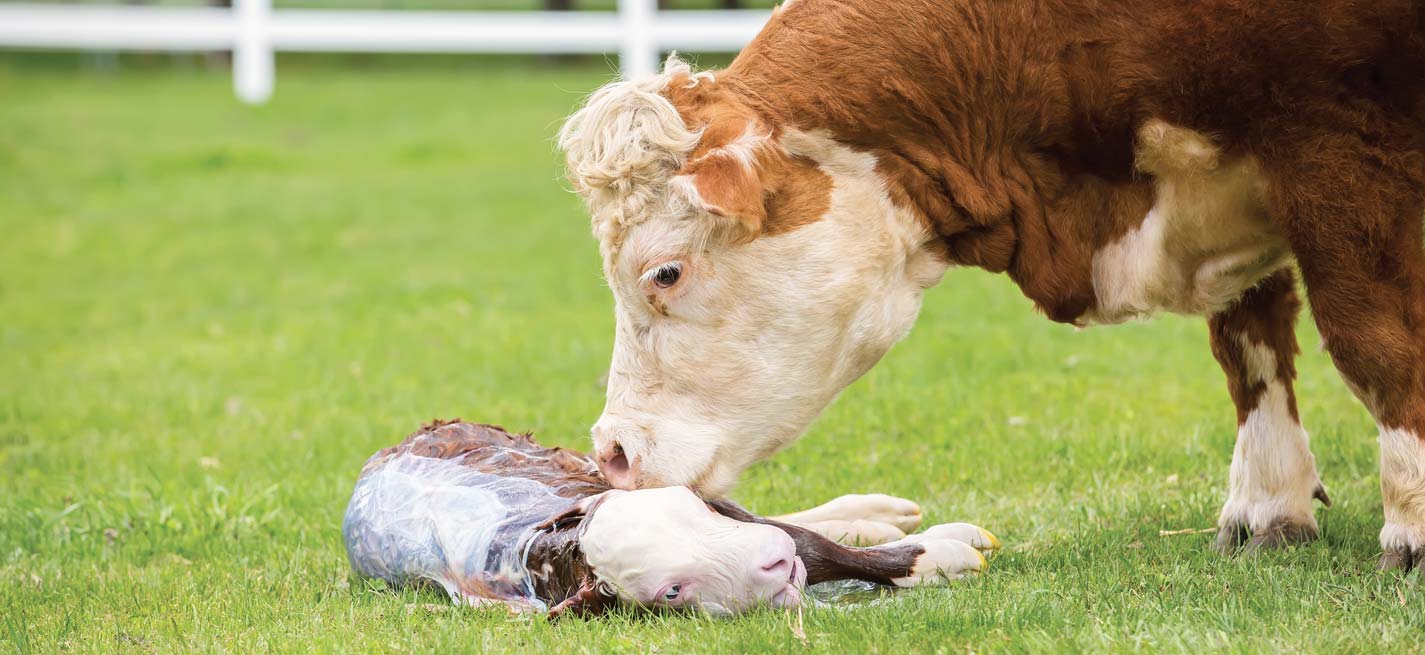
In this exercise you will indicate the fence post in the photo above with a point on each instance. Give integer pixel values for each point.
(638, 54)
(252, 51)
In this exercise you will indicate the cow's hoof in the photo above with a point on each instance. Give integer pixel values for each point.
(1404, 548)
(1280, 520)
(1401, 560)
(941, 560)
(1283, 531)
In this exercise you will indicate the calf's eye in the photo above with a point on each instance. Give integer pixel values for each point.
(666, 275)
(671, 593)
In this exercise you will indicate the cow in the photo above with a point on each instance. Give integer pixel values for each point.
(768, 229)
(497, 520)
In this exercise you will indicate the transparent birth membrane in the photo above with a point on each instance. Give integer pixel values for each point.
(415, 520)
(418, 520)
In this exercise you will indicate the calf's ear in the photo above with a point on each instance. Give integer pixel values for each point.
(731, 510)
(587, 602)
(576, 512)
(728, 183)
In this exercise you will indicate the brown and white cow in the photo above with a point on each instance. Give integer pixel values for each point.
(768, 229)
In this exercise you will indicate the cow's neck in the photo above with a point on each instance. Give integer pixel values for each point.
(998, 177)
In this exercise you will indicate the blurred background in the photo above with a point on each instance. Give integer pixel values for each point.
(210, 208)
(247, 33)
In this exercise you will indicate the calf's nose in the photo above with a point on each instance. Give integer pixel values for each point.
(777, 569)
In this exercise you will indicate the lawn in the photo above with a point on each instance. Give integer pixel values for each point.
(211, 314)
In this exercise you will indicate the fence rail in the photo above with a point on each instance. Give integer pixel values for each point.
(254, 31)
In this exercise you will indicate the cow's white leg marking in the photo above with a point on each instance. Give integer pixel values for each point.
(1273, 475)
(899, 512)
(1402, 487)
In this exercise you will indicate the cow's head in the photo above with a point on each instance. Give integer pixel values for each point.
(757, 270)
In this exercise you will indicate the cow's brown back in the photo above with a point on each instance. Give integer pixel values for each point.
(1010, 128)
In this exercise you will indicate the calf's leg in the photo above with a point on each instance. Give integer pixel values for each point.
(1352, 207)
(859, 519)
(899, 512)
(859, 532)
(908, 562)
(1273, 475)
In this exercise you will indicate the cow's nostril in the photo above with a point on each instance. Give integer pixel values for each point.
(616, 468)
(616, 465)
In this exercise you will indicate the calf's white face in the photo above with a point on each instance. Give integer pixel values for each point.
(667, 548)
(754, 278)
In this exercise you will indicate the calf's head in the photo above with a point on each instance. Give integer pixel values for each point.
(667, 548)
(757, 270)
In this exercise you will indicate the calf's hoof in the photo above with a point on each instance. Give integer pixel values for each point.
(977, 537)
(940, 560)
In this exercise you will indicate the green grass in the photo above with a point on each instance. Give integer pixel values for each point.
(211, 314)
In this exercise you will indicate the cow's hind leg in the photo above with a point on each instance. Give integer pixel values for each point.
(1353, 210)
(1273, 475)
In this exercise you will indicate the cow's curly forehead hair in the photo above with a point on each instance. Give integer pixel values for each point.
(624, 146)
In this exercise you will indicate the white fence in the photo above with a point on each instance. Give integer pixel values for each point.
(253, 31)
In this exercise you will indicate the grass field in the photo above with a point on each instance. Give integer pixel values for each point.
(211, 314)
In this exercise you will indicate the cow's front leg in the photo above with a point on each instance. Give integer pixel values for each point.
(859, 519)
(1273, 476)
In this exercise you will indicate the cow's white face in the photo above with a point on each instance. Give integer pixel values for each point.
(667, 548)
(759, 278)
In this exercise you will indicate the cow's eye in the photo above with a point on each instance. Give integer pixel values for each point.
(671, 592)
(666, 275)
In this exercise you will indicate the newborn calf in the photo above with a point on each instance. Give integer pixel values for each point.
(494, 518)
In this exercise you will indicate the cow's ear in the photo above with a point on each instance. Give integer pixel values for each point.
(729, 184)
